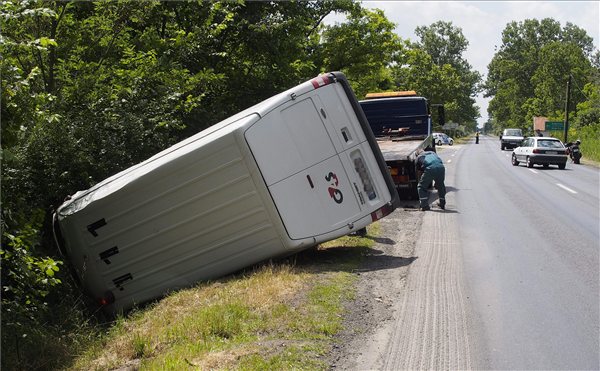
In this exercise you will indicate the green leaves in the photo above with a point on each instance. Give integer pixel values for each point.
(527, 76)
(363, 48)
(436, 69)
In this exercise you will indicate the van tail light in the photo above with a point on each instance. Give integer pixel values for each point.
(381, 212)
(107, 299)
(321, 81)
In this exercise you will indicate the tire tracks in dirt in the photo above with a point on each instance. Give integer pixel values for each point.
(431, 330)
(411, 315)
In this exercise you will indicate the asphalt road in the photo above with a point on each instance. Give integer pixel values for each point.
(530, 241)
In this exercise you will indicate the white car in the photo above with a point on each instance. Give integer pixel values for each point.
(441, 138)
(544, 151)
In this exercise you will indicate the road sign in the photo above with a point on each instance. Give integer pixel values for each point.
(554, 125)
(450, 125)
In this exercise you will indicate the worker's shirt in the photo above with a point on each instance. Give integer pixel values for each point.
(429, 160)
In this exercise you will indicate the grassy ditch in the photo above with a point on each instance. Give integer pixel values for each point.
(280, 315)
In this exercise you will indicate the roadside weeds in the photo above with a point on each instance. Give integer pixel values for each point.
(280, 315)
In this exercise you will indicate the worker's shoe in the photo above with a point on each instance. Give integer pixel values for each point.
(442, 204)
(424, 208)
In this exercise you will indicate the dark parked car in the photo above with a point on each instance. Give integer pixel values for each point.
(542, 151)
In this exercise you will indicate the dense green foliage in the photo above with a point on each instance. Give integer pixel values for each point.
(528, 75)
(435, 68)
(91, 88)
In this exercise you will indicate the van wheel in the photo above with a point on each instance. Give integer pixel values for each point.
(361, 232)
(529, 162)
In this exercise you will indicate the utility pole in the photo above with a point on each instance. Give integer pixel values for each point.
(567, 109)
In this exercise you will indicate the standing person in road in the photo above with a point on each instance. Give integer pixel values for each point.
(433, 170)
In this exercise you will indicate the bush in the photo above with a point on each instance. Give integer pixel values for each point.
(590, 140)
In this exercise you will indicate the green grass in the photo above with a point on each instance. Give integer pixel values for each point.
(279, 316)
(590, 141)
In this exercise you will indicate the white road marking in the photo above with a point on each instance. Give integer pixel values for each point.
(533, 171)
(566, 188)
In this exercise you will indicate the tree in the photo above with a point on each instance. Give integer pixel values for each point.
(445, 44)
(436, 69)
(527, 75)
(91, 88)
(363, 48)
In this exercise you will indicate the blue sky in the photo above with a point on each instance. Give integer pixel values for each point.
(482, 22)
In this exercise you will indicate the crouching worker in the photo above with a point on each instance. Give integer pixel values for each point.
(432, 168)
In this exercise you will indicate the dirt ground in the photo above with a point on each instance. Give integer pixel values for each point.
(410, 310)
(382, 278)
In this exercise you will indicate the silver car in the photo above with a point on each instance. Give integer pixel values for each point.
(544, 151)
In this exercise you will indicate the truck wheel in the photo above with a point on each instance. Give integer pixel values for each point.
(502, 147)
(562, 166)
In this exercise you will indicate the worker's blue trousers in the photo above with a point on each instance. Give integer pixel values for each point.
(434, 173)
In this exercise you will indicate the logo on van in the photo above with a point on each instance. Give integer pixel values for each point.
(334, 193)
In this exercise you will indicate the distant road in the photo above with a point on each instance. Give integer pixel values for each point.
(530, 241)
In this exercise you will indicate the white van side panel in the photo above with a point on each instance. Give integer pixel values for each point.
(193, 220)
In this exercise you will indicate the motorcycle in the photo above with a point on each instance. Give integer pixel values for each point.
(573, 151)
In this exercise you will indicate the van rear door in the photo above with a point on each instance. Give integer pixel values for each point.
(313, 175)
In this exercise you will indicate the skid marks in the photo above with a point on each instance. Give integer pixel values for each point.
(431, 328)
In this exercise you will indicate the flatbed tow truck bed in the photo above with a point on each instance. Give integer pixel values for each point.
(398, 150)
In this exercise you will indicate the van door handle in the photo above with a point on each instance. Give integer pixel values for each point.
(310, 181)
(346, 135)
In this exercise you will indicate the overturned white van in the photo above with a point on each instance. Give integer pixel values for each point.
(298, 169)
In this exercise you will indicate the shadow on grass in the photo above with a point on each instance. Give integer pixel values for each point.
(350, 259)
